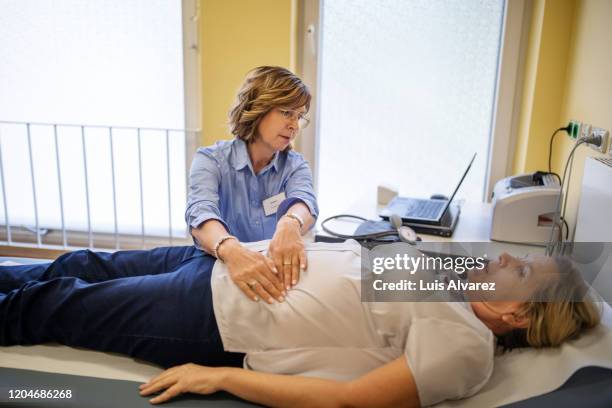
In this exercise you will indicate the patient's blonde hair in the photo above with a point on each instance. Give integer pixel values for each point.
(567, 309)
(264, 89)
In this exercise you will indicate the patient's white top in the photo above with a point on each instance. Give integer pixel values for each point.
(323, 329)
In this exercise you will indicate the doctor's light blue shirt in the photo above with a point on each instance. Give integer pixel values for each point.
(224, 187)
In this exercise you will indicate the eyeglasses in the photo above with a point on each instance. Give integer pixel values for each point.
(292, 115)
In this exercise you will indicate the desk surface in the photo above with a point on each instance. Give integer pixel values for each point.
(474, 225)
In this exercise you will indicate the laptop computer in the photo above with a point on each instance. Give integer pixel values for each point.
(422, 211)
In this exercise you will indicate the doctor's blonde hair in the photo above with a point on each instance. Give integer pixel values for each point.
(567, 311)
(264, 89)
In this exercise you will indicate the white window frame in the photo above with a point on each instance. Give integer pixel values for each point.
(192, 74)
(506, 106)
(23, 240)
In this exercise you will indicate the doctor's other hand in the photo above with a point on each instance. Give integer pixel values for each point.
(181, 379)
(252, 272)
(287, 251)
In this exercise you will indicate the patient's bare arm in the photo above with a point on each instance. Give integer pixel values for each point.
(389, 385)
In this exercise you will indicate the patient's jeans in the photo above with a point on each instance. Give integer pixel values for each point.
(152, 305)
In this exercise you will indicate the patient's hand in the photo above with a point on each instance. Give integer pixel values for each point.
(181, 379)
(287, 251)
(252, 272)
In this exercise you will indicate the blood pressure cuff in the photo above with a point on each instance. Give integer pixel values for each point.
(374, 227)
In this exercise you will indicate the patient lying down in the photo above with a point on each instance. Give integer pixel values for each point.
(320, 346)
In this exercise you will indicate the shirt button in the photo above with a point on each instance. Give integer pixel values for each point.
(256, 222)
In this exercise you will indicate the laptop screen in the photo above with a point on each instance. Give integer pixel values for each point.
(450, 200)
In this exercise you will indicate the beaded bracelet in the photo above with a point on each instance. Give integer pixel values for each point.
(296, 217)
(218, 244)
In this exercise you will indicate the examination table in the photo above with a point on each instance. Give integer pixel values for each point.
(578, 373)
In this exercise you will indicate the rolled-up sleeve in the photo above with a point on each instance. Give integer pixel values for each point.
(442, 349)
(299, 188)
(203, 197)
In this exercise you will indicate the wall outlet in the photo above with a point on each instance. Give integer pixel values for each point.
(585, 131)
(605, 137)
(574, 129)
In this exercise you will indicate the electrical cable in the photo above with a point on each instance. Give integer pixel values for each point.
(556, 216)
(552, 138)
(400, 231)
(556, 175)
(569, 180)
(372, 236)
(560, 234)
(566, 228)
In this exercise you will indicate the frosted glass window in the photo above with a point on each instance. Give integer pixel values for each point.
(101, 62)
(406, 97)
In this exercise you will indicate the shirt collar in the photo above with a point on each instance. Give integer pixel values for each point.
(242, 159)
(274, 162)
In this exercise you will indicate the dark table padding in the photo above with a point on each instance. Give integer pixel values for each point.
(97, 392)
(589, 387)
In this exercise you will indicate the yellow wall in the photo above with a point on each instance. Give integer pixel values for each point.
(568, 76)
(568, 73)
(588, 88)
(235, 36)
(543, 87)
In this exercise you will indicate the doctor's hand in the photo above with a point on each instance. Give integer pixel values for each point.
(287, 251)
(181, 379)
(252, 272)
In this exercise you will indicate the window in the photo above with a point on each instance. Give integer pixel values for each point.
(407, 92)
(116, 64)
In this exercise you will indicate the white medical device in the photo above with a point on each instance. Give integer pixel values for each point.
(594, 222)
(524, 208)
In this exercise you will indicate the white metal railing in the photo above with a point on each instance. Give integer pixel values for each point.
(115, 240)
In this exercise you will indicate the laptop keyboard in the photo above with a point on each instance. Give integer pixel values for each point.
(424, 208)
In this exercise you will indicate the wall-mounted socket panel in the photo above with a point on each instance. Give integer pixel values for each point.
(605, 138)
(577, 130)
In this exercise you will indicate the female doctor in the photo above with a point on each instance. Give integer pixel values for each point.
(256, 187)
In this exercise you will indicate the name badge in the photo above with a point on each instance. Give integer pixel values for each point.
(271, 204)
